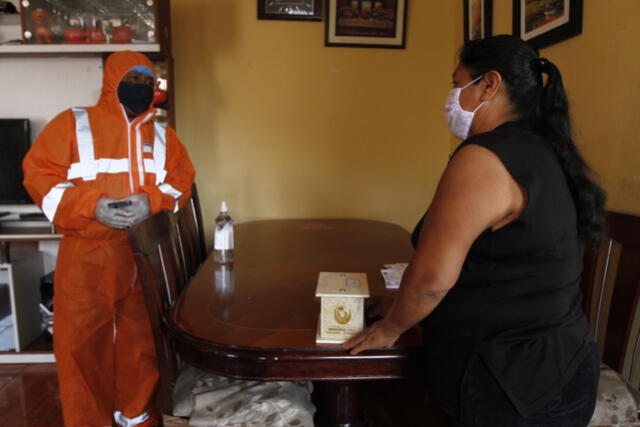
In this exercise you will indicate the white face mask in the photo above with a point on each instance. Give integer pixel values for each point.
(459, 120)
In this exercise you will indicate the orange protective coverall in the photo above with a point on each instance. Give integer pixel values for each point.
(102, 336)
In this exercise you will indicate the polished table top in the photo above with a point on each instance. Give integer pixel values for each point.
(265, 301)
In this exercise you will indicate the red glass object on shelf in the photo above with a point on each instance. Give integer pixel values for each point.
(159, 97)
(42, 18)
(96, 35)
(75, 35)
(121, 34)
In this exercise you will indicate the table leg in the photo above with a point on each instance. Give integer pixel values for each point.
(339, 403)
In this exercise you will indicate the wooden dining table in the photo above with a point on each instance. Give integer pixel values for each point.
(256, 318)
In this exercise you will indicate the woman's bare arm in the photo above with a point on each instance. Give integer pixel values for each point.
(476, 192)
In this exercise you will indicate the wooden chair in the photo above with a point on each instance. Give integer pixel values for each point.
(190, 232)
(154, 245)
(197, 215)
(611, 288)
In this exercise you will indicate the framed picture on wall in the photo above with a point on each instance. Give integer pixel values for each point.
(478, 16)
(544, 22)
(366, 23)
(306, 10)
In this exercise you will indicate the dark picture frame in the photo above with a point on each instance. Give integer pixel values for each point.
(366, 23)
(478, 19)
(295, 10)
(542, 23)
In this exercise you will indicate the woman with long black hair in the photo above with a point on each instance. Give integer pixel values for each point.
(494, 281)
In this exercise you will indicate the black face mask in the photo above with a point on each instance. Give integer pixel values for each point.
(136, 96)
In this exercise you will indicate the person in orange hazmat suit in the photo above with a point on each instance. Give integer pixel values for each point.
(95, 172)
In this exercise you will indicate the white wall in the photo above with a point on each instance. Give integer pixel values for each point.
(40, 88)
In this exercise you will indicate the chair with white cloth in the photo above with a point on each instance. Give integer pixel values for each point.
(611, 288)
(204, 398)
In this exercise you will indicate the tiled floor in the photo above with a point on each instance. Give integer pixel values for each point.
(29, 398)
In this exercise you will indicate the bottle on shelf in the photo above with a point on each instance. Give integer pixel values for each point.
(223, 237)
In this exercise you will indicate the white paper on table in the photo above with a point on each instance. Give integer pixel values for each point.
(392, 274)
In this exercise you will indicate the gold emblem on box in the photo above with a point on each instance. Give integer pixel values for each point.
(342, 315)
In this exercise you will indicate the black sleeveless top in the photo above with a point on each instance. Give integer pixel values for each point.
(516, 303)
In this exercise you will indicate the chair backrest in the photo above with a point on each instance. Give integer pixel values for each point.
(189, 229)
(197, 216)
(154, 245)
(611, 287)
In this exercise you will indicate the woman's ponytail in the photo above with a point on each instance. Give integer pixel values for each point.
(554, 105)
(554, 122)
(547, 106)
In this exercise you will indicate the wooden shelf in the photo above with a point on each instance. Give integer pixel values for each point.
(30, 49)
(12, 357)
(28, 234)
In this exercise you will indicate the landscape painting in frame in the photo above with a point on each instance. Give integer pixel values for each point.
(544, 22)
(366, 23)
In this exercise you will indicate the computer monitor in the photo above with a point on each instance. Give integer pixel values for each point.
(15, 140)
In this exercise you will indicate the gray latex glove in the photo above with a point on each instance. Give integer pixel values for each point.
(112, 217)
(139, 207)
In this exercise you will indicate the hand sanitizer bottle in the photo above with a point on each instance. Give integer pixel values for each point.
(223, 237)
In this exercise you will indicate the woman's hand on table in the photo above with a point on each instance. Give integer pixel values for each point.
(380, 334)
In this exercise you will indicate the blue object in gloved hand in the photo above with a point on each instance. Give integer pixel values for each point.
(113, 217)
(139, 208)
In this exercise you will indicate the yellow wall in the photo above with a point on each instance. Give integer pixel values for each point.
(280, 126)
(601, 71)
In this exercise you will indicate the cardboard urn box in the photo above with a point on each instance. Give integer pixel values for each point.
(341, 306)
